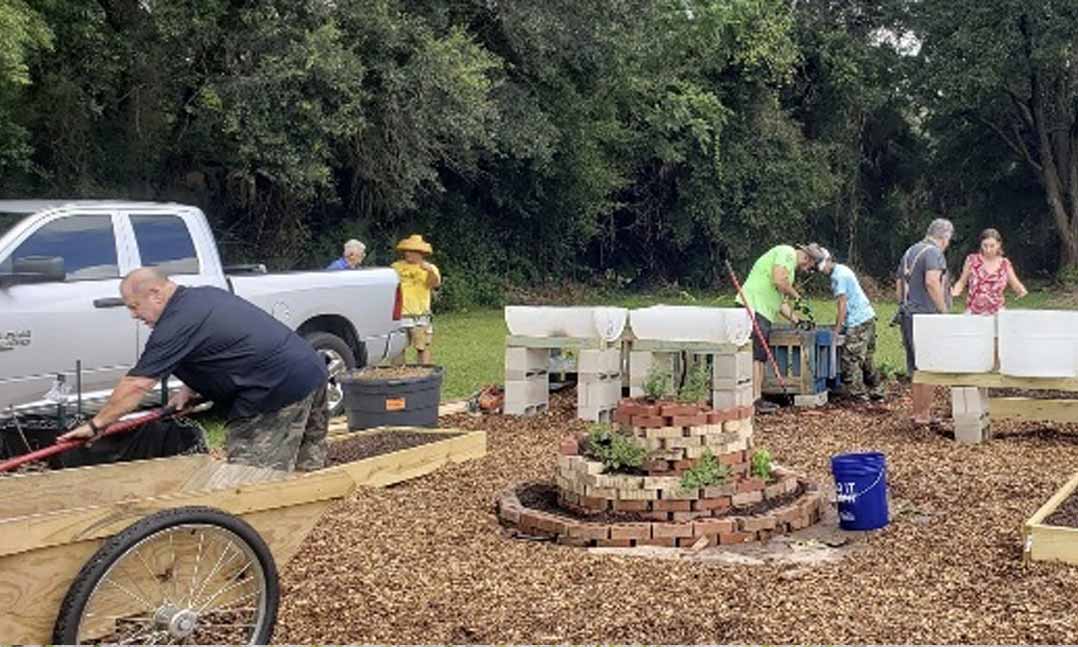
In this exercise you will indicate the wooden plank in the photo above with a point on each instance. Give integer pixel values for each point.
(96, 521)
(1050, 506)
(33, 584)
(556, 342)
(1051, 543)
(660, 346)
(405, 464)
(996, 381)
(54, 490)
(219, 474)
(1034, 409)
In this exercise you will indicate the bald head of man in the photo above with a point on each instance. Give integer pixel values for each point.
(146, 291)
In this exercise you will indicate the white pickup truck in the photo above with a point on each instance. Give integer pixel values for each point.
(60, 268)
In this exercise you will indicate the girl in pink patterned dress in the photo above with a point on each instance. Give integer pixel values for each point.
(988, 274)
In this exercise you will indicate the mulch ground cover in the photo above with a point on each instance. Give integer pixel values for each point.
(375, 444)
(426, 562)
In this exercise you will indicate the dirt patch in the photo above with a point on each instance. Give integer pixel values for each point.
(1066, 514)
(381, 373)
(375, 444)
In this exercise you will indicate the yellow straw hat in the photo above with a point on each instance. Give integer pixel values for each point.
(415, 243)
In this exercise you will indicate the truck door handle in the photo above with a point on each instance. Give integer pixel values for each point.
(111, 302)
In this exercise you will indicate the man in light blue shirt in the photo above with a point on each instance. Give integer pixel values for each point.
(856, 319)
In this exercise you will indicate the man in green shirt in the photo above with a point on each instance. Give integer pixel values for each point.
(767, 288)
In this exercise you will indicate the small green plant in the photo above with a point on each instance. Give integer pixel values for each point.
(761, 464)
(697, 385)
(707, 472)
(803, 310)
(657, 383)
(616, 452)
(890, 370)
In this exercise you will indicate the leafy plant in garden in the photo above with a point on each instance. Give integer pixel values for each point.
(761, 464)
(707, 471)
(616, 452)
(697, 386)
(657, 383)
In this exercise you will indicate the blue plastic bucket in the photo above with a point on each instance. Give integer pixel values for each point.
(861, 490)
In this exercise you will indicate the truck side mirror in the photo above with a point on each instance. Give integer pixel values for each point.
(35, 269)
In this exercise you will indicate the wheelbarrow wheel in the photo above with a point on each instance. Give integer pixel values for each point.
(190, 575)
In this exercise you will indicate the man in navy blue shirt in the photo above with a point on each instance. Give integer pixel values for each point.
(354, 251)
(269, 380)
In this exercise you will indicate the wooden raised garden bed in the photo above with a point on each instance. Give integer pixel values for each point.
(1045, 540)
(382, 469)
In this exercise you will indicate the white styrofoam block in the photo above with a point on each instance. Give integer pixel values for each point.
(954, 343)
(692, 323)
(584, 322)
(1038, 343)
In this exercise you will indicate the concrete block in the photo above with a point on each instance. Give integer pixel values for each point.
(969, 401)
(730, 370)
(972, 429)
(740, 396)
(526, 359)
(527, 397)
(601, 362)
(811, 401)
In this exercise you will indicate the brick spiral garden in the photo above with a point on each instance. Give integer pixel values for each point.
(651, 506)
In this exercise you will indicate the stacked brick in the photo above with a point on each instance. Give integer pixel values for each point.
(527, 381)
(677, 435)
(583, 489)
(598, 388)
(695, 532)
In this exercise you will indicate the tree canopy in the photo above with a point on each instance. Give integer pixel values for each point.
(636, 142)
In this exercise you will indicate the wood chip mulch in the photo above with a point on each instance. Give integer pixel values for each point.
(425, 561)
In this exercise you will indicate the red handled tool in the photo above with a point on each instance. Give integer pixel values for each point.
(756, 327)
(62, 446)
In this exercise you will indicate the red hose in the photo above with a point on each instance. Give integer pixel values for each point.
(63, 446)
(756, 327)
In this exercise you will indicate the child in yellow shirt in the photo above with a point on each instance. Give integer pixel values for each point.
(418, 277)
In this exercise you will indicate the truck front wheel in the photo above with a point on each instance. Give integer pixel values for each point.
(339, 360)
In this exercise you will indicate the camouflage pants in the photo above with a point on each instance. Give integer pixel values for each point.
(290, 438)
(859, 373)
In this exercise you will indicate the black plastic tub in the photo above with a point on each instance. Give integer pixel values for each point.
(395, 402)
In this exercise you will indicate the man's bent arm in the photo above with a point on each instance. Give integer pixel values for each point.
(781, 278)
(125, 398)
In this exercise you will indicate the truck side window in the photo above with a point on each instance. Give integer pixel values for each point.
(165, 243)
(86, 244)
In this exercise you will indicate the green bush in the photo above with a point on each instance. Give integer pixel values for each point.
(657, 383)
(707, 472)
(616, 452)
(761, 464)
(697, 387)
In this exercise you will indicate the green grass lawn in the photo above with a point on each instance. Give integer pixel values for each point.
(471, 344)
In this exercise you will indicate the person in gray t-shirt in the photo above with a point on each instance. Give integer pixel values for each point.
(923, 288)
